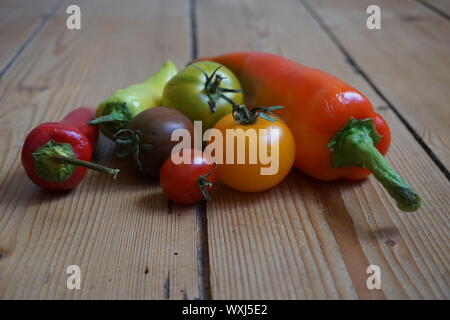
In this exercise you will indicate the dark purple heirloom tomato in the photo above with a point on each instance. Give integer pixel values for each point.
(148, 138)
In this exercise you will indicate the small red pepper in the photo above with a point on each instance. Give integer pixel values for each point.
(55, 155)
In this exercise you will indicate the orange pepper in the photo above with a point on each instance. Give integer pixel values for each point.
(337, 133)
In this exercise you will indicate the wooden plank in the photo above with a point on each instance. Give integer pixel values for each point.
(307, 239)
(126, 239)
(408, 60)
(441, 5)
(18, 21)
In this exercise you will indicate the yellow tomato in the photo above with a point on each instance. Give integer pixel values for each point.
(267, 148)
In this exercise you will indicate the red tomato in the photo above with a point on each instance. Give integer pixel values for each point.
(183, 183)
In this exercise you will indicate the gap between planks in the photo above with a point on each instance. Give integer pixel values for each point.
(201, 214)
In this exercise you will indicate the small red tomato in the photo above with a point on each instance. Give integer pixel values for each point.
(191, 181)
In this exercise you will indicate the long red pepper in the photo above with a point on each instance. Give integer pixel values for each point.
(337, 132)
(55, 155)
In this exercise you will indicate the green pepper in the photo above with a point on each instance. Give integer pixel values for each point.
(123, 105)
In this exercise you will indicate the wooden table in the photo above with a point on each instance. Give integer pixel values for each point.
(304, 239)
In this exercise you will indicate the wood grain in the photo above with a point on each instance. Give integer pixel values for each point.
(408, 60)
(127, 240)
(19, 20)
(307, 239)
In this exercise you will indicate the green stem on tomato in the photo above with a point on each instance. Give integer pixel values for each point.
(213, 89)
(244, 116)
(129, 142)
(203, 183)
